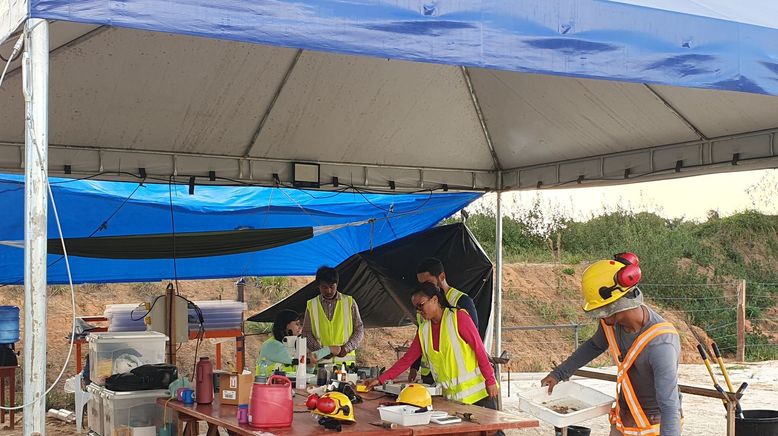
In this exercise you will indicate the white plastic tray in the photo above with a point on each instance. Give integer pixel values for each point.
(579, 402)
(404, 415)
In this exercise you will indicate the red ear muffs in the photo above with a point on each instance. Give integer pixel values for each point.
(326, 405)
(628, 276)
(627, 258)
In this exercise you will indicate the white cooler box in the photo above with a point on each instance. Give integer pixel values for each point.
(94, 408)
(133, 413)
(119, 352)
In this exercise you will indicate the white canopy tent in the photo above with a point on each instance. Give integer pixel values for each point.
(123, 99)
(541, 110)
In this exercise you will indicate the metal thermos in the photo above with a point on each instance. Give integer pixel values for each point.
(204, 386)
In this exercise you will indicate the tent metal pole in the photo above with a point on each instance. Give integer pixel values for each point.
(35, 89)
(498, 281)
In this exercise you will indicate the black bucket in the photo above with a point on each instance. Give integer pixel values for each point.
(574, 430)
(757, 423)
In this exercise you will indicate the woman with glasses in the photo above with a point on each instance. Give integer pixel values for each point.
(449, 342)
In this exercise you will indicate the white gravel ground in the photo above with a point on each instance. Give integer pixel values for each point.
(703, 416)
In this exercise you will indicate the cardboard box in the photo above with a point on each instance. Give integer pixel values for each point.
(235, 389)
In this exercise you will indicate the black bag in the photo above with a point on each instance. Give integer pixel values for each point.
(143, 378)
(8, 355)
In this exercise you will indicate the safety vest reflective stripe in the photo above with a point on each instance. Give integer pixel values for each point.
(335, 331)
(453, 295)
(624, 384)
(454, 365)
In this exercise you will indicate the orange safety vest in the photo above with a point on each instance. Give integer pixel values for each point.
(623, 384)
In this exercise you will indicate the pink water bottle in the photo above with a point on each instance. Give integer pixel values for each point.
(204, 384)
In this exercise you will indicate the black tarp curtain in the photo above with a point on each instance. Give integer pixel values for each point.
(381, 280)
(180, 245)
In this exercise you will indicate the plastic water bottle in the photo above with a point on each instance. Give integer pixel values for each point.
(261, 375)
(321, 376)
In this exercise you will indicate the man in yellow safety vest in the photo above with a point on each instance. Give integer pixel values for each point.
(332, 320)
(645, 348)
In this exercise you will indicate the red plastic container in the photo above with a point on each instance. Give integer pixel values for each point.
(271, 403)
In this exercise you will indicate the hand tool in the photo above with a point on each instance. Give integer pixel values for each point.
(466, 416)
(738, 395)
(705, 360)
(717, 353)
(382, 424)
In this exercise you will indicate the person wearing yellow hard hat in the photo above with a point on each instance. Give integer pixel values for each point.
(645, 348)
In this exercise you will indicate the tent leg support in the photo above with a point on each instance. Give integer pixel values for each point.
(35, 71)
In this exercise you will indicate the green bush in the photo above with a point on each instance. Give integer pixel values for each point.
(719, 250)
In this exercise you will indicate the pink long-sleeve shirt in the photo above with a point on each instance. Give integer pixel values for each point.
(467, 332)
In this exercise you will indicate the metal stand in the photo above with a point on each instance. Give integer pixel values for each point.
(498, 285)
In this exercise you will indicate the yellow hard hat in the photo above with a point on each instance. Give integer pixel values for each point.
(415, 395)
(335, 405)
(606, 281)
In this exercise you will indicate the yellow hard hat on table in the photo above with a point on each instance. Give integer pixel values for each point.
(415, 395)
(335, 405)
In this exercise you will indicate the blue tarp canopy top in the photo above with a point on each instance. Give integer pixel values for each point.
(550, 93)
(97, 209)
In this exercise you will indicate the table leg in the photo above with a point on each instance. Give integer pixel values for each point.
(213, 430)
(12, 399)
(78, 357)
(2, 396)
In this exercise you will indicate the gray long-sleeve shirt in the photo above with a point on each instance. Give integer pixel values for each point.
(357, 333)
(654, 375)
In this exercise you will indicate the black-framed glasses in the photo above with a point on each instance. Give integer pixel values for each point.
(420, 306)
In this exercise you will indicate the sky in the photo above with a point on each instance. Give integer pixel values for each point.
(689, 198)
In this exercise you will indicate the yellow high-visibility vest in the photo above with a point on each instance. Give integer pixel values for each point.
(335, 331)
(453, 295)
(624, 385)
(454, 365)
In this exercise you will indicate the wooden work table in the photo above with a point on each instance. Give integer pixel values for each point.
(365, 413)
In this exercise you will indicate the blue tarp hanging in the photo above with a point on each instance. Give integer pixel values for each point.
(711, 44)
(89, 208)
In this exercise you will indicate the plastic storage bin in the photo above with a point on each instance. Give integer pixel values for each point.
(569, 404)
(404, 415)
(133, 413)
(116, 353)
(125, 317)
(95, 409)
(218, 315)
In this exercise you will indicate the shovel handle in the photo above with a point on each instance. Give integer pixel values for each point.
(716, 351)
(703, 354)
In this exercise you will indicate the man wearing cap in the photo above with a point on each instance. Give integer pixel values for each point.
(645, 348)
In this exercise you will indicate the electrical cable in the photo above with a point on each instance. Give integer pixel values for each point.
(173, 231)
(15, 53)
